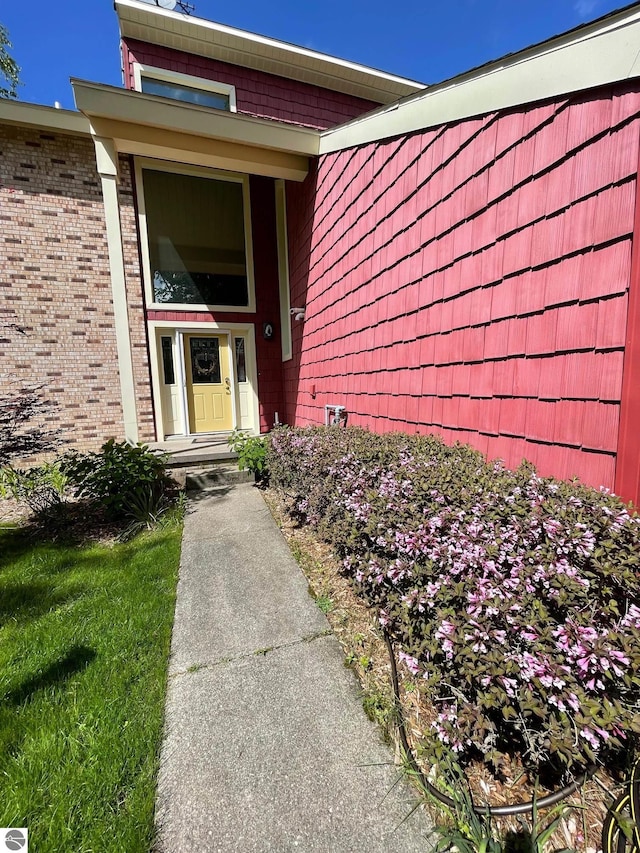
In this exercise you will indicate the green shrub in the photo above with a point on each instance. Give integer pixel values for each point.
(514, 600)
(127, 480)
(252, 452)
(42, 488)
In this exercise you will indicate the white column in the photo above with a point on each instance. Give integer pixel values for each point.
(107, 160)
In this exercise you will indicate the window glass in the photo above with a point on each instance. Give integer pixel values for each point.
(167, 361)
(195, 228)
(205, 361)
(178, 92)
(241, 364)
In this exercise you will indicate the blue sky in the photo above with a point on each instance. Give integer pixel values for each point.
(425, 40)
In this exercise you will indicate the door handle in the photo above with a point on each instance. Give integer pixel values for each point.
(227, 382)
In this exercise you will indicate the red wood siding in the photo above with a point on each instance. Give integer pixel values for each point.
(265, 262)
(257, 93)
(472, 280)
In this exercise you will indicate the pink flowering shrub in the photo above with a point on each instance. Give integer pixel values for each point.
(513, 600)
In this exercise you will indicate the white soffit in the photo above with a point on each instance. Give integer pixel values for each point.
(598, 54)
(43, 118)
(148, 23)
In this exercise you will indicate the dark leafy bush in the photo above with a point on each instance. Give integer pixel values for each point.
(515, 600)
(127, 480)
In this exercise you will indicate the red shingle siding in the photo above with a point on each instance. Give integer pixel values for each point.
(257, 93)
(473, 280)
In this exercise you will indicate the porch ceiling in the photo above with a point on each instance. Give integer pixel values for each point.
(150, 126)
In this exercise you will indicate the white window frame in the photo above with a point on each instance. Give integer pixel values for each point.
(187, 80)
(283, 269)
(201, 172)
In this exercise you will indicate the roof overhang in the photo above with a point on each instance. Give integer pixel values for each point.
(39, 117)
(150, 126)
(593, 55)
(149, 23)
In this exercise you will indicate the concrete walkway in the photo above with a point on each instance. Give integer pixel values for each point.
(267, 747)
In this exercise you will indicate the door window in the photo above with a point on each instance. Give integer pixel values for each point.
(205, 361)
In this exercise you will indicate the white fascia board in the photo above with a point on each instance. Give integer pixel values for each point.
(44, 118)
(101, 101)
(606, 52)
(152, 24)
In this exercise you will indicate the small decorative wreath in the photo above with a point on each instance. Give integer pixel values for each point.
(205, 364)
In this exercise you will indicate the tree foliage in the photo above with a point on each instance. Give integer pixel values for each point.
(25, 416)
(24, 422)
(9, 70)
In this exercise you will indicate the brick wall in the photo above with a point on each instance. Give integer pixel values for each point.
(257, 93)
(472, 280)
(54, 281)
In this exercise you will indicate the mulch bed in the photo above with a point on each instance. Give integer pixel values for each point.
(80, 523)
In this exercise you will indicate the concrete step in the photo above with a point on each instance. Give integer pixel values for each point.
(203, 458)
(195, 452)
(214, 475)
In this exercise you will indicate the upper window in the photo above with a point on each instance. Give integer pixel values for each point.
(184, 87)
(198, 236)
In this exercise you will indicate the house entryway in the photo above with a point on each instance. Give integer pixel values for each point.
(204, 380)
(200, 462)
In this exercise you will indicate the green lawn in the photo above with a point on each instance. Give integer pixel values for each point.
(84, 641)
